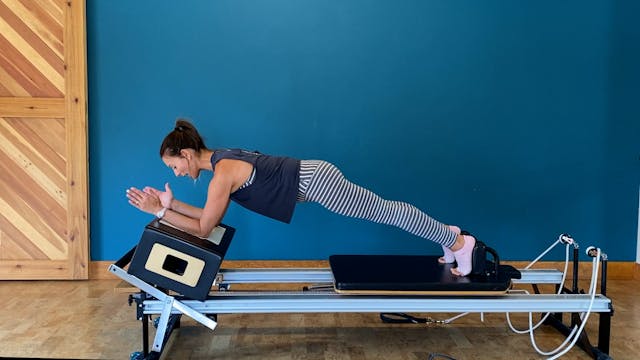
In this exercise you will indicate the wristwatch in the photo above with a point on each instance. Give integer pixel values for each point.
(160, 214)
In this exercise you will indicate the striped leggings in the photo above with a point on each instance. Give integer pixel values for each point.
(323, 182)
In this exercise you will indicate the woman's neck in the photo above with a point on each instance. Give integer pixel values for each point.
(204, 159)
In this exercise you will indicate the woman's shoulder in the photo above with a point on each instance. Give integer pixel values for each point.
(234, 154)
(230, 170)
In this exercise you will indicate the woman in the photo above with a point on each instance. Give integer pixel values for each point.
(273, 185)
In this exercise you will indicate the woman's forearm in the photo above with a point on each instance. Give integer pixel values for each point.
(186, 209)
(183, 222)
(183, 216)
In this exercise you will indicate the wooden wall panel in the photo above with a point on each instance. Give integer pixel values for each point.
(31, 39)
(43, 140)
(35, 173)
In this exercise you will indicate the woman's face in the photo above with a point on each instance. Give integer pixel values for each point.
(182, 165)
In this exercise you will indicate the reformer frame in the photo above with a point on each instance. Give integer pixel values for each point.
(154, 301)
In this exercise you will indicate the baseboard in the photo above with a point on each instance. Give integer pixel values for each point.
(616, 270)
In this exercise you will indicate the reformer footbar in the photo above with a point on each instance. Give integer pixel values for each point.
(388, 285)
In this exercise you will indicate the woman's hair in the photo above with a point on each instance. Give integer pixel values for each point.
(183, 136)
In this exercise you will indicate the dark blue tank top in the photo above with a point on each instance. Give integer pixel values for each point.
(275, 186)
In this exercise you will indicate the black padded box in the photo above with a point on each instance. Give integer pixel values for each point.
(175, 260)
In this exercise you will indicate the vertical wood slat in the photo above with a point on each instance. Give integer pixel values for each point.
(76, 115)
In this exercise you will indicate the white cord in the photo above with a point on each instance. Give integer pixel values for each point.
(450, 320)
(544, 252)
(531, 328)
(585, 316)
(576, 330)
(564, 276)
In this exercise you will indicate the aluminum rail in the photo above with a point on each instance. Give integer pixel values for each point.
(324, 275)
(318, 302)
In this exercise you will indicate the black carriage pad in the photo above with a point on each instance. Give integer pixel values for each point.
(412, 274)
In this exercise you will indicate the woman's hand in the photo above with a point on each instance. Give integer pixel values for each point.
(145, 201)
(166, 196)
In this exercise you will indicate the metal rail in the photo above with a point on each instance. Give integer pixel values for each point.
(324, 275)
(318, 302)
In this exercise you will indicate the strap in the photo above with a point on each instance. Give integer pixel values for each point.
(401, 318)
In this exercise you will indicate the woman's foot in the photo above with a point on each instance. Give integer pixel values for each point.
(448, 257)
(464, 256)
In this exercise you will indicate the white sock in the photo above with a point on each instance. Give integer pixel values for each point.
(448, 257)
(464, 257)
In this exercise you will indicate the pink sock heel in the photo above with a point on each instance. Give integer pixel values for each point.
(448, 257)
(464, 257)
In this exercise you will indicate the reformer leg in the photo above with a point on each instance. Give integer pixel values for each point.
(144, 321)
(604, 326)
(165, 324)
(145, 335)
(170, 303)
(604, 336)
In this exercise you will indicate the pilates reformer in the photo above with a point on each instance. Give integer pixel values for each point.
(179, 274)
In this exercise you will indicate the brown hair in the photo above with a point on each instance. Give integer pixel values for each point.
(183, 136)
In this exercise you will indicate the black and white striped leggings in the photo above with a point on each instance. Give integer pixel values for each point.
(323, 182)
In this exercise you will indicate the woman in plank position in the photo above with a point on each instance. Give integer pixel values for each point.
(273, 185)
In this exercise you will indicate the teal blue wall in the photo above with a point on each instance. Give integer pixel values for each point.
(517, 120)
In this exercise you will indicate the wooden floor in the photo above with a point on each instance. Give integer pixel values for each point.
(88, 320)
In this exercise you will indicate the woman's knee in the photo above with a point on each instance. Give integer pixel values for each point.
(331, 168)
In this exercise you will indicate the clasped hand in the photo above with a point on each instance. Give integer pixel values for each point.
(149, 199)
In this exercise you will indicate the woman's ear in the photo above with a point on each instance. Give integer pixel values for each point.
(185, 154)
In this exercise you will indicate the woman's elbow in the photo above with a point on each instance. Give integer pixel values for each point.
(206, 226)
(204, 232)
